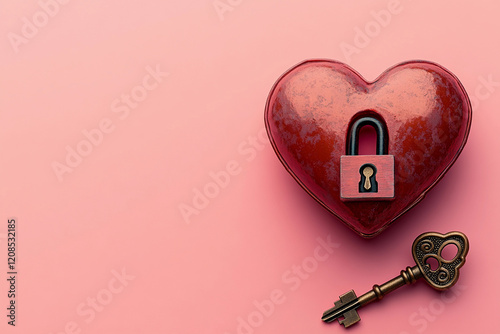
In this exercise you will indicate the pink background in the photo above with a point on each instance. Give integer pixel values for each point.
(216, 270)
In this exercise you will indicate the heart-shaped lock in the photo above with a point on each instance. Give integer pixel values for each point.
(312, 107)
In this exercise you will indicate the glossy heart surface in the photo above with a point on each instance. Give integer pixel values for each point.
(309, 111)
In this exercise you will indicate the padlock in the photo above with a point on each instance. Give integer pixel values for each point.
(367, 177)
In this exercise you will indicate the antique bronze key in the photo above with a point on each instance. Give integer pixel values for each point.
(427, 246)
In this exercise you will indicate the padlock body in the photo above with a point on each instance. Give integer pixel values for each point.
(350, 177)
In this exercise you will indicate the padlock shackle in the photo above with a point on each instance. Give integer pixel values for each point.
(380, 129)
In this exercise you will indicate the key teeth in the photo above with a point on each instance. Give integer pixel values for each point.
(350, 318)
(347, 318)
(348, 296)
(343, 299)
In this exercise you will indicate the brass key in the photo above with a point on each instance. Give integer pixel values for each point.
(368, 172)
(427, 246)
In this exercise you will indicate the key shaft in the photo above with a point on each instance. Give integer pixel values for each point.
(408, 276)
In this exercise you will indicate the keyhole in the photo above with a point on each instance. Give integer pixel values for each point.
(367, 172)
(368, 183)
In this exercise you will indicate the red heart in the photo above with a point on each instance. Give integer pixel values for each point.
(428, 116)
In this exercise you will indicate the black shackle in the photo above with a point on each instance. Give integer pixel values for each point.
(380, 129)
